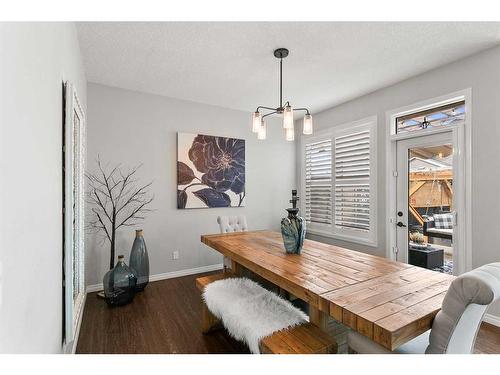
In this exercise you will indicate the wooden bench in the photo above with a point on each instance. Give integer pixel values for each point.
(304, 339)
(208, 321)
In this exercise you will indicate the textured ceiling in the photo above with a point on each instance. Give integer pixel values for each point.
(232, 64)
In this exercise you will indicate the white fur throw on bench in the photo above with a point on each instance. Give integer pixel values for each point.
(248, 311)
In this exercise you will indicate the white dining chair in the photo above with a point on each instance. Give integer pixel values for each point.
(229, 224)
(455, 327)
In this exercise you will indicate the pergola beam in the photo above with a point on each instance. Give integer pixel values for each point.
(415, 213)
(446, 174)
(415, 187)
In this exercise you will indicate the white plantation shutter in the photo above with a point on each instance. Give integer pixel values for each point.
(318, 182)
(352, 181)
(340, 182)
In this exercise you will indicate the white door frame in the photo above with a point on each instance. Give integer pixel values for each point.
(74, 214)
(462, 177)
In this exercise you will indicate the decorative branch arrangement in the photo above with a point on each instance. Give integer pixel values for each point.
(118, 201)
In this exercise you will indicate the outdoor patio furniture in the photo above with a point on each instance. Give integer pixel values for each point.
(443, 229)
(429, 257)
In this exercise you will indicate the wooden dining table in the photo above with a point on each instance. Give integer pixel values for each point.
(387, 301)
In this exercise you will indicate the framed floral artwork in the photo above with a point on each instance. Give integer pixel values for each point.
(210, 171)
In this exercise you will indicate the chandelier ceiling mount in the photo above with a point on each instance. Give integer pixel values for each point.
(285, 109)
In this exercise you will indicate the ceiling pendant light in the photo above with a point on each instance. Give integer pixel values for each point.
(256, 120)
(290, 134)
(308, 124)
(288, 117)
(261, 134)
(285, 109)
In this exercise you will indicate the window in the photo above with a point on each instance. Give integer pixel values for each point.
(318, 184)
(340, 182)
(445, 115)
(352, 177)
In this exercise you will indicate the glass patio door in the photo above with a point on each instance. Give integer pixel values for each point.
(426, 215)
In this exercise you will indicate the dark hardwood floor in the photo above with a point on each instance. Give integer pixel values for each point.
(488, 340)
(165, 318)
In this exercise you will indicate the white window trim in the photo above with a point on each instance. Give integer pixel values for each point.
(371, 239)
(464, 142)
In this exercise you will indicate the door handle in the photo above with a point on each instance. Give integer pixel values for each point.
(400, 224)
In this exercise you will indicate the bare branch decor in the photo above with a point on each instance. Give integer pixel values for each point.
(118, 200)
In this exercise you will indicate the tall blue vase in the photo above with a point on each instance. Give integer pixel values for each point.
(119, 284)
(293, 228)
(139, 261)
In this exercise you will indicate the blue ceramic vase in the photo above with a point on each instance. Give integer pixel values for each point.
(119, 284)
(139, 261)
(293, 228)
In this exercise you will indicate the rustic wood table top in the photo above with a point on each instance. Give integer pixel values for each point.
(387, 301)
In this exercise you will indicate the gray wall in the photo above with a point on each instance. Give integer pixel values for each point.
(35, 59)
(130, 127)
(480, 72)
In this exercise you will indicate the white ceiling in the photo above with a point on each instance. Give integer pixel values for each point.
(232, 64)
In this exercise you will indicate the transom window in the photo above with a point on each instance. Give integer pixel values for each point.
(437, 117)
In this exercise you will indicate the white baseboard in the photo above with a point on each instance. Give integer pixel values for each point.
(492, 319)
(167, 275)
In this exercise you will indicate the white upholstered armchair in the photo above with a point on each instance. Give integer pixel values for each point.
(455, 327)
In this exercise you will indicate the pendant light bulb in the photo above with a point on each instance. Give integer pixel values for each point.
(288, 117)
(256, 120)
(261, 134)
(290, 134)
(308, 124)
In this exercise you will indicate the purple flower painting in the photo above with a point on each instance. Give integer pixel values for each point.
(210, 171)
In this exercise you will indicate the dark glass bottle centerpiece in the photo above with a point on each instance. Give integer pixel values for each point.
(119, 284)
(139, 261)
(293, 228)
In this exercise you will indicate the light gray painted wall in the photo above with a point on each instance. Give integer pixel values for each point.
(35, 58)
(480, 72)
(130, 127)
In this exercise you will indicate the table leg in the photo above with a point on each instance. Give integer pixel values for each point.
(240, 271)
(283, 293)
(236, 268)
(318, 318)
(334, 328)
